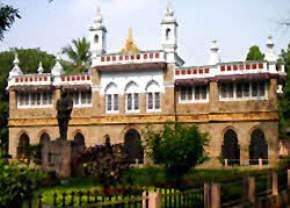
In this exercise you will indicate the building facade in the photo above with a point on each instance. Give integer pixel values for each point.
(235, 102)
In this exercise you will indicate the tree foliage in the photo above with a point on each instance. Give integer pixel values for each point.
(177, 146)
(255, 54)
(79, 54)
(106, 162)
(8, 15)
(284, 104)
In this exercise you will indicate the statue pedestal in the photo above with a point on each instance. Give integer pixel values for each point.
(57, 156)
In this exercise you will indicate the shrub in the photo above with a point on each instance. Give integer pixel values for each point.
(106, 162)
(179, 147)
(17, 181)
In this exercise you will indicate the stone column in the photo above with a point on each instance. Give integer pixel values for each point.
(244, 143)
(143, 103)
(12, 102)
(272, 94)
(272, 137)
(213, 97)
(122, 104)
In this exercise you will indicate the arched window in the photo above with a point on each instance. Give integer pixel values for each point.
(132, 97)
(97, 38)
(23, 145)
(133, 146)
(168, 33)
(153, 96)
(258, 147)
(79, 140)
(44, 138)
(112, 98)
(231, 148)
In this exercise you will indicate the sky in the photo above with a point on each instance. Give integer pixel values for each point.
(235, 24)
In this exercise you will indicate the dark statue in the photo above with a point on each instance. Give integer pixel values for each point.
(64, 108)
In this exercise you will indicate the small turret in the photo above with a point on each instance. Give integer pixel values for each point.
(270, 55)
(214, 53)
(57, 70)
(40, 69)
(169, 30)
(98, 36)
(15, 71)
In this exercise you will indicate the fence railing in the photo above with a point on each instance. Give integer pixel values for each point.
(91, 199)
(268, 189)
(181, 198)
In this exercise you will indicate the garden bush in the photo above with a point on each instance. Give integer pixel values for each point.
(177, 146)
(17, 181)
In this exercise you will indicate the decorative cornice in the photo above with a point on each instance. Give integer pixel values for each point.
(143, 119)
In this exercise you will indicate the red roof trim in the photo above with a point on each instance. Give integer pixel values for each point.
(132, 66)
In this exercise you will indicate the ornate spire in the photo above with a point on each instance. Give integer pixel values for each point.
(15, 71)
(214, 53)
(98, 22)
(270, 54)
(169, 13)
(130, 46)
(40, 69)
(57, 70)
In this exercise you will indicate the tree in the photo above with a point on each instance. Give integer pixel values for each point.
(8, 15)
(255, 54)
(177, 146)
(29, 59)
(284, 102)
(79, 54)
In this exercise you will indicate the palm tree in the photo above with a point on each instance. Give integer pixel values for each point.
(79, 54)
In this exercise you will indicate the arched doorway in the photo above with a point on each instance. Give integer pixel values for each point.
(231, 148)
(133, 146)
(44, 138)
(79, 142)
(23, 147)
(258, 147)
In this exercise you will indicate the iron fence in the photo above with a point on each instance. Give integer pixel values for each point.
(175, 198)
(91, 199)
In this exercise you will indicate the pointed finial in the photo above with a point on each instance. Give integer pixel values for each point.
(16, 59)
(130, 45)
(169, 9)
(169, 14)
(57, 70)
(99, 16)
(214, 46)
(214, 53)
(15, 71)
(270, 41)
(270, 54)
(40, 69)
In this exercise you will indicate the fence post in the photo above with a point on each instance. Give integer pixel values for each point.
(154, 200)
(226, 163)
(206, 195)
(260, 163)
(145, 199)
(275, 184)
(215, 198)
(288, 178)
(251, 189)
